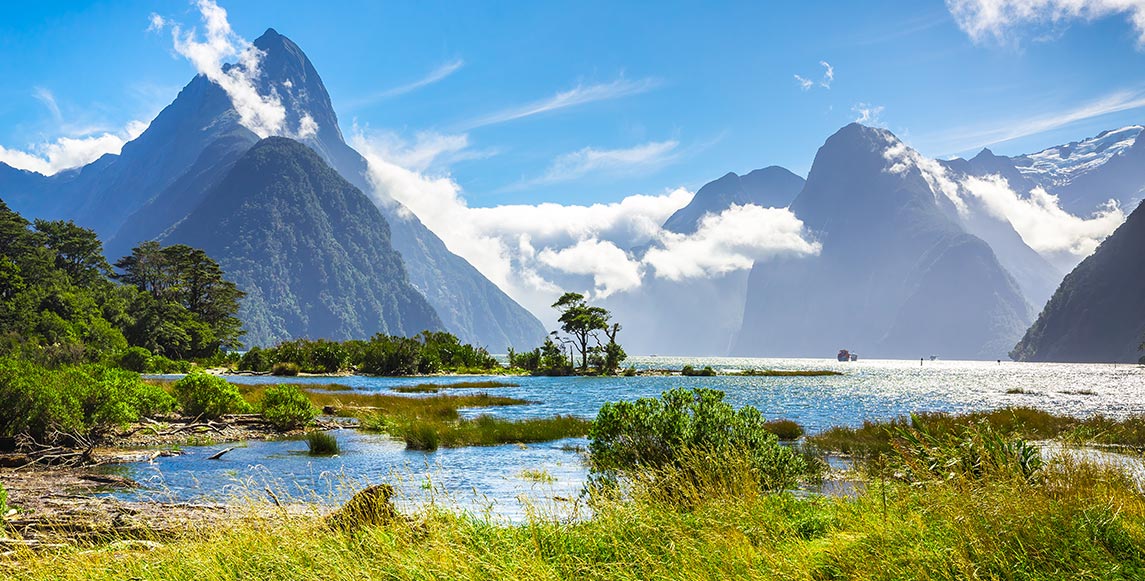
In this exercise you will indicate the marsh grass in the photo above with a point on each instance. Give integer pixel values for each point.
(876, 438)
(1076, 520)
(787, 373)
(319, 443)
(430, 434)
(785, 430)
(436, 387)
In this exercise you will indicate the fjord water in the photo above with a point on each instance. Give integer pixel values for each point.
(496, 479)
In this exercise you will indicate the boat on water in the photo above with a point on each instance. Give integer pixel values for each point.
(846, 355)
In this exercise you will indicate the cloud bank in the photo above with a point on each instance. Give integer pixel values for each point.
(534, 251)
(1001, 20)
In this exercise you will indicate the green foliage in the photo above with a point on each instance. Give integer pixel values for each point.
(285, 369)
(319, 443)
(689, 371)
(255, 360)
(655, 434)
(185, 308)
(208, 396)
(135, 359)
(785, 430)
(581, 321)
(3, 500)
(286, 407)
(84, 400)
(161, 364)
(484, 430)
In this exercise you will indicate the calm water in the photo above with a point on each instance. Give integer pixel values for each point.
(495, 480)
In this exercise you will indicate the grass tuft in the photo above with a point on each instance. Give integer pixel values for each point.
(319, 443)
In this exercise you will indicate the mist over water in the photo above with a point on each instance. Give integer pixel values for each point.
(494, 480)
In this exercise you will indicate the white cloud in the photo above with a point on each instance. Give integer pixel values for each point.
(570, 166)
(579, 95)
(439, 74)
(806, 84)
(264, 115)
(1041, 221)
(828, 75)
(867, 114)
(999, 19)
(155, 23)
(1037, 217)
(532, 251)
(732, 240)
(51, 157)
(611, 268)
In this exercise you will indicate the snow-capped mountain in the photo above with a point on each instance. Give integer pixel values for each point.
(1061, 165)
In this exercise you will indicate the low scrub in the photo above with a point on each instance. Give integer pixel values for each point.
(209, 396)
(785, 430)
(285, 369)
(436, 387)
(688, 431)
(84, 400)
(286, 407)
(706, 371)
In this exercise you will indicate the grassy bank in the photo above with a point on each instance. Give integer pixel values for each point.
(436, 387)
(875, 438)
(426, 434)
(1076, 521)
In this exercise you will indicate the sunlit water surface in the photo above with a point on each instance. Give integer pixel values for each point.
(507, 481)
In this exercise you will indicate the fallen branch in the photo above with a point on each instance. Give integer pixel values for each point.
(220, 453)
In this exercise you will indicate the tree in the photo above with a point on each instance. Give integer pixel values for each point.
(581, 321)
(78, 251)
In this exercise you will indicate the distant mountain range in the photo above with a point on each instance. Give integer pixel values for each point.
(167, 174)
(911, 265)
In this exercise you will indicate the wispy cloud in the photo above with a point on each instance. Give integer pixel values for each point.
(867, 114)
(1000, 20)
(52, 157)
(434, 76)
(806, 84)
(986, 134)
(590, 160)
(580, 95)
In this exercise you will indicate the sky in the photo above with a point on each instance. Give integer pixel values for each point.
(541, 139)
(593, 101)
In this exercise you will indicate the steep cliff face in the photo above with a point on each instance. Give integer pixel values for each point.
(1097, 314)
(310, 250)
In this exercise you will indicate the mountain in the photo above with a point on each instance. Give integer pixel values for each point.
(770, 187)
(311, 251)
(897, 277)
(165, 174)
(1097, 314)
(661, 317)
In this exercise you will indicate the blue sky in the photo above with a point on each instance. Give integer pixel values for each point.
(656, 96)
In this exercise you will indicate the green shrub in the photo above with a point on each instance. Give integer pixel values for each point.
(688, 426)
(689, 371)
(287, 407)
(785, 430)
(3, 500)
(320, 443)
(255, 360)
(208, 396)
(163, 365)
(285, 369)
(82, 400)
(135, 359)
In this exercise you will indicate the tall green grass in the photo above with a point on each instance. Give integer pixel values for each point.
(1074, 521)
(431, 434)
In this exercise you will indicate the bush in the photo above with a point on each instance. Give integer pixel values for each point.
(209, 396)
(82, 400)
(320, 443)
(685, 425)
(135, 359)
(785, 430)
(255, 360)
(285, 368)
(163, 365)
(287, 407)
(689, 371)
